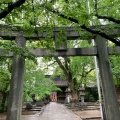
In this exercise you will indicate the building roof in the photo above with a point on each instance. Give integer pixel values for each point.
(61, 83)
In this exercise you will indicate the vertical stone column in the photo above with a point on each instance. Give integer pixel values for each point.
(16, 83)
(109, 92)
(60, 41)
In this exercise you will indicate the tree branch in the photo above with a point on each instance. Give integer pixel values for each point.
(61, 65)
(97, 32)
(10, 7)
(108, 18)
(49, 65)
(104, 17)
(89, 71)
(102, 34)
(67, 61)
(69, 75)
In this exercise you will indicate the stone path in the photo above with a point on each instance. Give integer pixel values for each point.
(56, 111)
(52, 111)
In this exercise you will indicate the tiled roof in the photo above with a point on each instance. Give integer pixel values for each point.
(61, 83)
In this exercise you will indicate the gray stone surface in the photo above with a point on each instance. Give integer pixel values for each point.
(52, 111)
(56, 111)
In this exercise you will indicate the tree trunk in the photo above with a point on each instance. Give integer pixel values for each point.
(67, 71)
(4, 96)
(74, 92)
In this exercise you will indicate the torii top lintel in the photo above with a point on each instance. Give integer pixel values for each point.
(71, 33)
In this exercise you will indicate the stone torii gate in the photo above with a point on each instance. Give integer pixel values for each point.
(100, 50)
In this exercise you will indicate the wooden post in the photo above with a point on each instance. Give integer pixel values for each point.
(16, 84)
(109, 92)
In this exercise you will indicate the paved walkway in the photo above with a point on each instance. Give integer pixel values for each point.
(52, 111)
(56, 111)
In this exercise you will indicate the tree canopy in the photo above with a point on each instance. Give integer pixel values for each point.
(36, 83)
(34, 13)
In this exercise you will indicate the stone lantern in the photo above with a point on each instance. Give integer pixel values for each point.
(68, 95)
(81, 96)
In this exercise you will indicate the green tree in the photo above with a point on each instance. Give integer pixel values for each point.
(115, 60)
(36, 83)
(77, 70)
(4, 82)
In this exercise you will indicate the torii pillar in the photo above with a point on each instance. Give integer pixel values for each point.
(16, 83)
(108, 87)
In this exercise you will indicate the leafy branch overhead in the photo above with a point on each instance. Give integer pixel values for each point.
(8, 47)
(97, 32)
(11, 6)
(108, 18)
(48, 7)
(104, 16)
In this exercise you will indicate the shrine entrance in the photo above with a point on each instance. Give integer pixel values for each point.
(53, 97)
(101, 51)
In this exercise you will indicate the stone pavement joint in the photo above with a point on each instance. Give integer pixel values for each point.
(57, 111)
